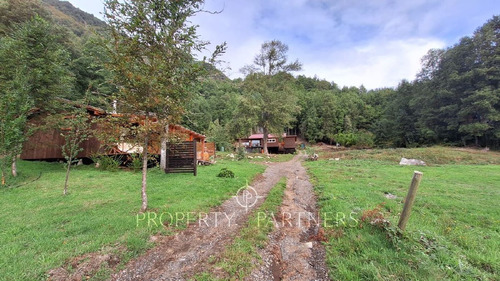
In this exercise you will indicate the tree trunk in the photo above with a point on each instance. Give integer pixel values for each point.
(144, 206)
(264, 145)
(163, 151)
(3, 177)
(67, 177)
(14, 166)
(144, 176)
(476, 140)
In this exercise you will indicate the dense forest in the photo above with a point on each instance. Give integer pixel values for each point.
(454, 100)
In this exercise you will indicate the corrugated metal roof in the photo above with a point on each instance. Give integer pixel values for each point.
(261, 136)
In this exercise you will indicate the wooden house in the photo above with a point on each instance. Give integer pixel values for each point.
(275, 144)
(45, 144)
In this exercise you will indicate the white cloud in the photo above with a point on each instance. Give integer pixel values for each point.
(352, 42)
(349, 42)
(377, 64)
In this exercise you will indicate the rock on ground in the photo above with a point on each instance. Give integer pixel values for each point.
(412, 162)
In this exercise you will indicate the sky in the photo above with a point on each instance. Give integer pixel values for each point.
(375, 43)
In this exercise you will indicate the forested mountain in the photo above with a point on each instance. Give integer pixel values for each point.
(73, 36)
(73, 18)
(78, 15)
(61, 12)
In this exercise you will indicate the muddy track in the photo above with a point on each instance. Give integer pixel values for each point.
(181, 256)
(295, 251)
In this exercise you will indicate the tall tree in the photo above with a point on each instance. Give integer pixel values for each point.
(271, 89)
(480, 111)
(91, 75)
(33, 70)
(14, 108)
(270, 102)
(44, 61)
(152, 63)
(273, 58)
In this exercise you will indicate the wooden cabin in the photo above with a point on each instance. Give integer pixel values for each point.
(275, 144)
(45, 144)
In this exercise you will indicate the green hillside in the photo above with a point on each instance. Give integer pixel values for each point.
(13, 12)
(76, 20)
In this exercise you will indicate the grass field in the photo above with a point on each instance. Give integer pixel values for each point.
(435, 155)
(42, 229)
(454, 229)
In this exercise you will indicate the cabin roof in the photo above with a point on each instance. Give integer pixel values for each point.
(261, 136)
(96, 111)
(186, 130)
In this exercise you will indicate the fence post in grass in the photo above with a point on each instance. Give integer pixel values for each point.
(410, 198)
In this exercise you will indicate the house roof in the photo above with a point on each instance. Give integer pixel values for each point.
(98, 111)
(186, 130)
(261, 136)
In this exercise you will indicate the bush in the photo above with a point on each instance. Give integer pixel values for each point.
(107, 163)
(346, 139)
(361, 139)
(240, 153)
(136, 163)
(225, 173)
(365, 139)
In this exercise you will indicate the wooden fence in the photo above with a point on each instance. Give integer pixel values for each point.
(181, 158)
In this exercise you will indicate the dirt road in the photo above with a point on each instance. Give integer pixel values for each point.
(293, 252)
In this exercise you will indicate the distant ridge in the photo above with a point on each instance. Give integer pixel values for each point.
(75, 19)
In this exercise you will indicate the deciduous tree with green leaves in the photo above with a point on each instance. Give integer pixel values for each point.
(74, 124)
(270, 98)
(33, 70)
(14, 107)
(152, 63)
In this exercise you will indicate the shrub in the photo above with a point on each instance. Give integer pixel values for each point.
(136, 163)
(225, 173)
(365, 139)
(346, 139)
(107, 163)
(361, 139)
(240, 153)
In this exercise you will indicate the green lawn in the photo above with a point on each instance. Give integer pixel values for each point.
(453, 232)
(42, 229)
(435, 155)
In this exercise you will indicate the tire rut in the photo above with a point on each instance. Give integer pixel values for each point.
(181, 256)
(295, 251)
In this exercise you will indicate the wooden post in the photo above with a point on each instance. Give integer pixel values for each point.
(195, 160)
(410, 198)
(167, 156)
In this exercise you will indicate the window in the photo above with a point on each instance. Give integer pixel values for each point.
(271, 140)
